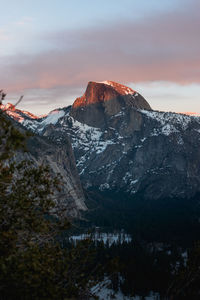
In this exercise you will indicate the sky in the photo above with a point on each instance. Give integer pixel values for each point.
(51, 49)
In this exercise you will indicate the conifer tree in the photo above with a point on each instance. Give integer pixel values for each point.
(33, 265)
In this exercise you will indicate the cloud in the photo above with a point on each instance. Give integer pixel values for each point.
(164, 47)
(3, 35)
(24, 21)
(170, 96)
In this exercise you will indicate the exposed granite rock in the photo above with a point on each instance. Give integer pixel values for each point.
(103, 100)
(61, 161)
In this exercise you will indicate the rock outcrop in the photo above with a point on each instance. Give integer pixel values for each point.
(103, 100)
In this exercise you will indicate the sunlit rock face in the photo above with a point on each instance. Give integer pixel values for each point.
(16, 114)
(102, 100)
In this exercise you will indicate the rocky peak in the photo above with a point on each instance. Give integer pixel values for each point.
(102, 100)
(16, 114)
(97, 92)
(7, 106)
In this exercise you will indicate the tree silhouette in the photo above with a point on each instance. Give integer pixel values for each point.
(33, 264)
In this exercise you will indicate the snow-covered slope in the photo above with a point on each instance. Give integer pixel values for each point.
(39, 124)
(170, 122)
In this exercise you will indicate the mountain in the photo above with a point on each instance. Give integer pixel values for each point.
(122, 146)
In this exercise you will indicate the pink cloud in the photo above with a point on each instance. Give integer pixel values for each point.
(166, 47)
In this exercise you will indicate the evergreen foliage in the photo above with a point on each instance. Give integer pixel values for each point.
(33, 265)
(2, 96)
(186, 284)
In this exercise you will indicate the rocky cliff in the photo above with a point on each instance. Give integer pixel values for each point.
(102, 100)
(59, 159)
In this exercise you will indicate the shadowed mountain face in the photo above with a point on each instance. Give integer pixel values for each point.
(102, 100)
(121, 144)
(60, 160)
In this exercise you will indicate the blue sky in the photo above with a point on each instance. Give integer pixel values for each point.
(51, 49)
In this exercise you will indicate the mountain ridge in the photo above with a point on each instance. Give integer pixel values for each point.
(132, 149)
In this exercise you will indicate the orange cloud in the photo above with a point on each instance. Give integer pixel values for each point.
(190, 113)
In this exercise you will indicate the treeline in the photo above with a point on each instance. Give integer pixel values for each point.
(169, 220)
(137, 269)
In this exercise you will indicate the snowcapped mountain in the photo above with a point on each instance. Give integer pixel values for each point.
(121, 144)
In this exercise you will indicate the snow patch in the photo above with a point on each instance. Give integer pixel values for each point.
(170, 122)
(133, 182)
(53, 117)
(88, 139)
(110, 238)
(104, 186)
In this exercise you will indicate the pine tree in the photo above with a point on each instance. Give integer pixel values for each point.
(186, 284)
(2, 96)
(33, 265)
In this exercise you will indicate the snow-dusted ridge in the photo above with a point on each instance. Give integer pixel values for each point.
(170, 122)
(87, 138)
(16, 114)
(53, 117)
(39, 124)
